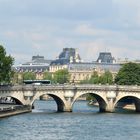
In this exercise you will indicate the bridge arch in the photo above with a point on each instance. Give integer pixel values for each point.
(57, 98)
(18, 96)
(12, 99)
(129, 99)
(101, 101)
(17, 101)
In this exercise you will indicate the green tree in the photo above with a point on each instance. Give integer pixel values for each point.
(90, 97)
(6, 63)
(15, 79)
(106, 78)
(94, 78)
(29, 76)
(61, 76)
(129, 74)
(103, 79)
(47, 75)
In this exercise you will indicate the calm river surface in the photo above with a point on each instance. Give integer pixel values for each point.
(84, 123)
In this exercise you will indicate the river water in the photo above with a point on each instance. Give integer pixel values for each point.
(84, 123)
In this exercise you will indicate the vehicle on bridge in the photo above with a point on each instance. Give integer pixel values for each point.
(37, 82)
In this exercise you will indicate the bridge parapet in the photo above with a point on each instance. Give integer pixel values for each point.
(77, 86)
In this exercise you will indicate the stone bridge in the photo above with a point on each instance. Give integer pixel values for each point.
(108, 96)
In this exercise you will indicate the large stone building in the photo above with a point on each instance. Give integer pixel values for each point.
(67, 56)
(38, 65)
(82, 71)
(71, 60)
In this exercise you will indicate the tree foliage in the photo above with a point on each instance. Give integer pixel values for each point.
(6, 63)
(129, 74)
(94, 78)
(29, 76)
(47, 75)
(15, 79)
(106, 78)
(61, 76)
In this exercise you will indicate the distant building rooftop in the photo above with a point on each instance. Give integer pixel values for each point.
(126, 60)
(37, 64)
(105, 57)
(91, 66)
(68, 55)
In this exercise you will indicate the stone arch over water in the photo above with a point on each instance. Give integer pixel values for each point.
(130, 99)
(11, 100)
(101, 101)
(60, 101)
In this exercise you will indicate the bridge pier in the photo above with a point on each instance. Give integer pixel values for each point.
(110, 106)
(137, 105)
(68, 106)
(68, 94)
(102, 109)
(111, 96)
(67, 109)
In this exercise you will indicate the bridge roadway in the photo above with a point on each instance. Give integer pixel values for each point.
(108, 96)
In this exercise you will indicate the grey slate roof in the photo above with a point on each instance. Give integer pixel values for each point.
(105, 57)
(65, 57)
(91, 66)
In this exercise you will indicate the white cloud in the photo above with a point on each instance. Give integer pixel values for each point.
(46, 27)
(128, 12)
(87, 30)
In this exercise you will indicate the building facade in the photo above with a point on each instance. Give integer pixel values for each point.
(83, 71)
(71, 60)
(37, 65)
(67, 56)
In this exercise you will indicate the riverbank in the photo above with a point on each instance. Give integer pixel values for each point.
(7, 110)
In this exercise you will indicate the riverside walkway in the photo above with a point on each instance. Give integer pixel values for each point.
(11, 109)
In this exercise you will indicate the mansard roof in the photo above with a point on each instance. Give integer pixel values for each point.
(68, 55)
(105, 57)
(94, 65)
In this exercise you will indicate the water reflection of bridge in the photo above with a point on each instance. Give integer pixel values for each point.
(107, 96)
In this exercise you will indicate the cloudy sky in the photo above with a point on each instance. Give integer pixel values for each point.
(45, 27)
